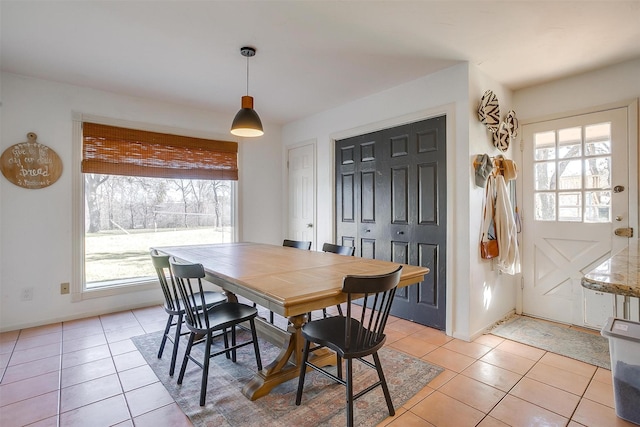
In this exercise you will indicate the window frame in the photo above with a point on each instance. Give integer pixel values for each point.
(78, 289)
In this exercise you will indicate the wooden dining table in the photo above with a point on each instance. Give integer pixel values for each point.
(290, 282)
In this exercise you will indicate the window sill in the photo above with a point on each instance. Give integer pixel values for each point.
(115, 290)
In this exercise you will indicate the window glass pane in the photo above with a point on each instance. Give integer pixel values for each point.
(545, 206)
(545, 176)
(545, 145)
(598, 172)
(598, 206)
(570, 206)
(569, 143)
(125, 216)
(570, 174)
(597, 139)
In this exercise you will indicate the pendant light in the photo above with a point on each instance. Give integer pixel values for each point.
(247, 123)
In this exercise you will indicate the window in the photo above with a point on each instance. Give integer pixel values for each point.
(572, 174)
(141, 189)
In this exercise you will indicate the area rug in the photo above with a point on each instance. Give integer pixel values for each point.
(323, 401)
(569, 342)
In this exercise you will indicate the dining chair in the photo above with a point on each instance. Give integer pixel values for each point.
(340, 250)
(354, 337)
(202, 323)
(298, 244)
(174, 307)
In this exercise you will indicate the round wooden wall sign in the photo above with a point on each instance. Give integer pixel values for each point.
(31, 164)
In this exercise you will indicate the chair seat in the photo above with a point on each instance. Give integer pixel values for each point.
(224, 315)
(211, 298)
(330, 332)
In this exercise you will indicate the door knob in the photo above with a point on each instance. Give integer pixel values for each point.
(618, 189)
(618, 218)
(309, 225)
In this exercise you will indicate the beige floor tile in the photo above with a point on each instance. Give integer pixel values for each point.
(444, 411)
(29, 411)
(474, 393)
(593, 414)
(517, 412)
(83, 343)
(148, 398)
(522, 350)
(89, 392)
(432, 336)
(7, 347)
(491, 422)
(413, 346)
(9, 336)
(509, 361)
(571, 365)
(126, 346)
(600, 392)
(444, 377)
(390, 419)
(137, 377)
(556, 377)
(41, 330)
(492, 375)
(124, 333)
(405, 326)
(86, 372)
(128, 360)
(426, 391)
(409, 419)
(489, 340)
(85, 355)
(81, 332)
(603, 375)
(86, 322)
(28, 388)
(393, 336)
(559, 401)
(471, 349)
(37, 341)
(24, 356)
(105, 412)
(31, 369)
(449, 359)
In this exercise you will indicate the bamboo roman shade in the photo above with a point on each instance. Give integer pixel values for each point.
(121, 151)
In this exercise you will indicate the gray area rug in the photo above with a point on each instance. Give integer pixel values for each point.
(569, 342)
(323, 401)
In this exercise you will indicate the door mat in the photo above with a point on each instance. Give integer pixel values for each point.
(563, 340)
(323, 401)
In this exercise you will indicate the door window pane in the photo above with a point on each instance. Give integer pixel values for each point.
(569, 143)
(545, 176)
(570, 206)
(598, 206)
(597, 139)
(598, 172)
(570, 175)
(545, 206)
(545, 145)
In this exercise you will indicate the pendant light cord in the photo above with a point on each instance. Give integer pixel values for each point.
(247, 76)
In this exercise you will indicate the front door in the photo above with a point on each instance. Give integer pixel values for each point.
(391, 205)
(575, 187)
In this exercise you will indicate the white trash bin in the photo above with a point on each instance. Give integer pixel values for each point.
(624, 346)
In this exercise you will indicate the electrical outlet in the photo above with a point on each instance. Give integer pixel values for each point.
(27, 294)
(64, 288)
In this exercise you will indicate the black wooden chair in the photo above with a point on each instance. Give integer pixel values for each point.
(174, 307)
(203, 323)
(354, 338)
(298, 244)
(340, 250)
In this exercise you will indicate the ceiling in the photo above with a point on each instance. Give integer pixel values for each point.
(311, 55)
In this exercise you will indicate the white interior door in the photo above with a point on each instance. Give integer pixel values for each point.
(572, 174)
(302, 189)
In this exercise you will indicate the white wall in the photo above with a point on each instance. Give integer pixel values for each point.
(443, 92)
(36, 224)
(492, 294)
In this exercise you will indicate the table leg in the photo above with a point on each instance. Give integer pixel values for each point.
(287, 365)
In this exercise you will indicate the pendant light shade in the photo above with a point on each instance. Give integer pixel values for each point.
(247, 123)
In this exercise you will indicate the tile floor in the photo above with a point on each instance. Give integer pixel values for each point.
(88, 373)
